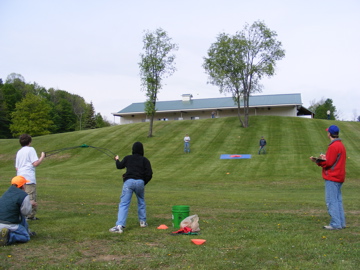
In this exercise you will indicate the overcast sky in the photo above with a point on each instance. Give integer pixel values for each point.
(92, 48)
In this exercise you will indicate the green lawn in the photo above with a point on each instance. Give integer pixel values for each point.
(266, 212)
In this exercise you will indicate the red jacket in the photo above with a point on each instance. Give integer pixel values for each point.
(333, 168)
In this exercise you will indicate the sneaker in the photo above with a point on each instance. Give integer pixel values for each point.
(117, 229)
(32, 218)
(4, 236)
(143, 224)
(331, 228)
(32, 233)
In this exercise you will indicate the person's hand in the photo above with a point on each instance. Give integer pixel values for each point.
(42, 156)
(33, 203)
(117, 157)
(313, 159)
(323, 157)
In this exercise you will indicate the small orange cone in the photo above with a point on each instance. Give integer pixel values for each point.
(198, 241)
(163, 227)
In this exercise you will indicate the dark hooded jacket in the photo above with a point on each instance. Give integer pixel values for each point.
(137, 166)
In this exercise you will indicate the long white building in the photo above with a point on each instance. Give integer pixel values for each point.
(193, 109)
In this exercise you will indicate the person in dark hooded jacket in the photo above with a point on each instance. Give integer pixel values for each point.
(138, 174)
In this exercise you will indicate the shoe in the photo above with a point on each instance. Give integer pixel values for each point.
(4, 237)
(32, 218)
(331, 228)
(143, 224)
(32, 233)
(117, 229)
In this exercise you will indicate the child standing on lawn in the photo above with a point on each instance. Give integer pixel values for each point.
(25, 164)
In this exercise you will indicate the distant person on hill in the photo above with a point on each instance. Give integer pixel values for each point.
(26, 162)
(187, 143)
(333, 172)
(262, 144)
(15, 204)
(138, 174)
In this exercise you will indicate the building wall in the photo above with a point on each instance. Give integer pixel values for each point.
(276, 111)
(204, 114)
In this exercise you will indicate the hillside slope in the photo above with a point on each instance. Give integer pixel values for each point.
(290, 142)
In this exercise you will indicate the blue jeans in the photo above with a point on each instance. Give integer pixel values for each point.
(131, 186)
(333, 199)
(187, 147)
(262, 148)
(21, 234)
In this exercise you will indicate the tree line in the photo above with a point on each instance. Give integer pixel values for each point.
(33, 109)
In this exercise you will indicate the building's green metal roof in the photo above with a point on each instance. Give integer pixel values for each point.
(214, 103)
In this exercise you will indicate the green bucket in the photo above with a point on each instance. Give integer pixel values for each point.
(179, 213)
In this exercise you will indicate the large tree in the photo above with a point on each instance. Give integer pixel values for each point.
(32, 116)
(9, 96)
(63, 116)
(157, 62)
(79, 107)
(4, 116)
(236, 64)
(62, 111)
(18, 82)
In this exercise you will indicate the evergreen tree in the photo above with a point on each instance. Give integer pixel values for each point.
(90, 122)
(101, 122)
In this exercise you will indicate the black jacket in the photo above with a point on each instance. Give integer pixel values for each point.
(137, 166)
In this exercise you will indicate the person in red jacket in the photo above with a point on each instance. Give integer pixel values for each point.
(333, 172)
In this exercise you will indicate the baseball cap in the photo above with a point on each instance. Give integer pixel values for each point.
(19, 181)
(333, 129)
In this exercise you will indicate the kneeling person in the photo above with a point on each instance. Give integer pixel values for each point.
(15, 204)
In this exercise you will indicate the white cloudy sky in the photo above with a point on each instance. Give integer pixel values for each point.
(92, 47)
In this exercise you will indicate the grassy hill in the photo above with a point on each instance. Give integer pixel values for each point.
(290, 142)
(252, 211)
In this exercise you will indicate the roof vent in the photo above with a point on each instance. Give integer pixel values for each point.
(186, 97)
